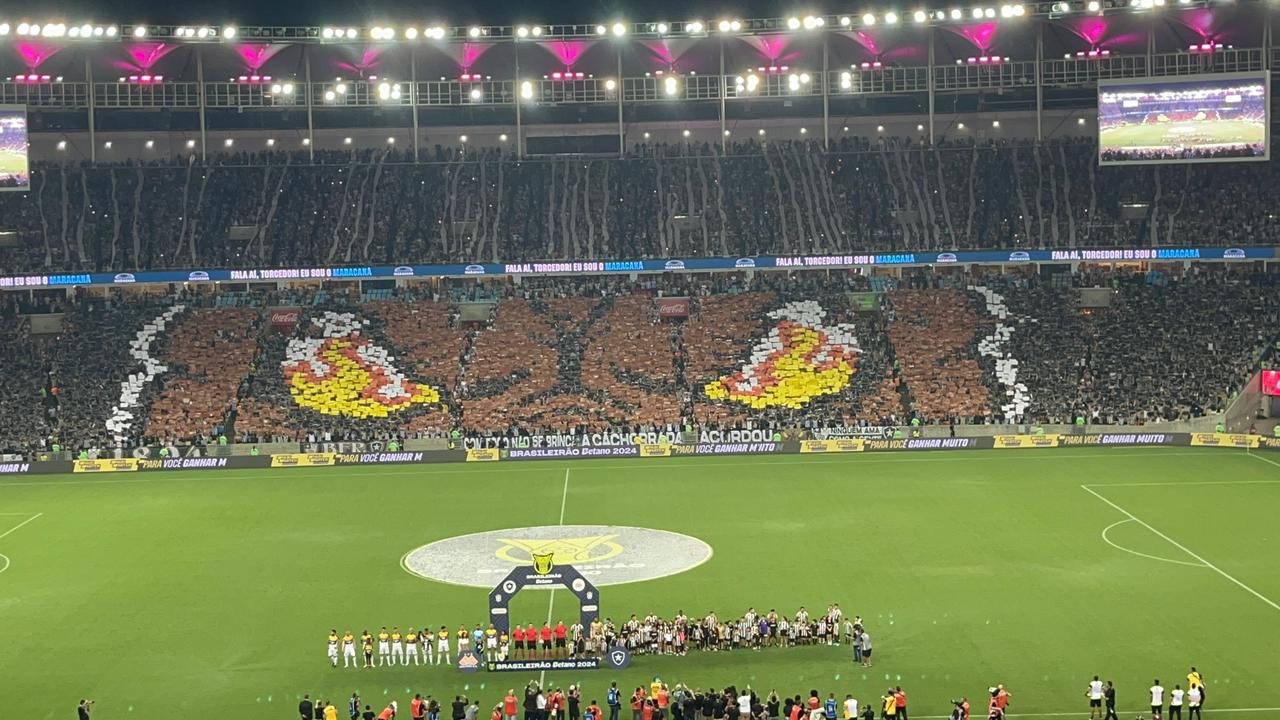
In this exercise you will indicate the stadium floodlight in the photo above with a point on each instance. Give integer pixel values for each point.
(995, 123)
(391, 141)
(1079, 121)
(793, 23)
(960, 126)
(352, 34)
(474, 32)
(346, 141)
(526, 90)
(956, 14)
(671, 86)
(694, 27)
(760, 132)
(879, 128)
(846, 80)
(228, 142)
(462, 139)
(726, 133)
(107, 145)
(610, 84)
(276, 89)
(191, 144)
(804, 131)
(476, 94)
(271, 142)
(977, 13)
(341, 88)
(920, 16)
(62, 144)
(810, 22)
(111, 31)
(845, 21)
(989, 13)
(1094, 6)
(149, 144)
(686, 133)
(662, 28)
(4, 28)
(502, 137)
(891, 18)
(1019, 10)
(723, 26)
(327, 33)
(522, 31)
(869, 19)
(646, 135)
(619, 29)
(920, 128)
(601, 30)
(23, 28)
(330, 96)
(229, 32)
(306, 142)
(537, 31)
(411, 33)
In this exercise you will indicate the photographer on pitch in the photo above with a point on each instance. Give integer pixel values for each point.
(82, 710)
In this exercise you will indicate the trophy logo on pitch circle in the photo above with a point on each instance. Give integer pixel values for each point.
(543, 562)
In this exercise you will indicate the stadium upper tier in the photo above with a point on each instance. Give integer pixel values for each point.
(194, 88)
(566, 355)
(783, 198)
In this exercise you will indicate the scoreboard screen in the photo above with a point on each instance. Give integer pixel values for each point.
(15, 173)
(1271, 382)
(1199, 118)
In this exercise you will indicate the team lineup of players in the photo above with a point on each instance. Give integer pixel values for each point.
(652, 635)
(1192, 698)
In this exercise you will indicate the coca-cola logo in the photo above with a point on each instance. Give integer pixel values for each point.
(284, 318)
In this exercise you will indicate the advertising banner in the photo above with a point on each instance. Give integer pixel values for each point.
(1235, 440)
(105, 465)
(483, 455)
(544, 665)
(648, 450)
(970, 443)
(854, 431)
(673, 308)
(1006, 442)
(284, 319)
(1122, 439)
(837, 445)
(302, 460)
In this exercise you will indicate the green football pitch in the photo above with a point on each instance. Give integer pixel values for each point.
(177, 594)
(1166, 134)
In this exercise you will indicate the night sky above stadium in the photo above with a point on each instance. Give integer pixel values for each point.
(320, 12)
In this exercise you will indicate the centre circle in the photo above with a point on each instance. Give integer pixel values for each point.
(606, 554)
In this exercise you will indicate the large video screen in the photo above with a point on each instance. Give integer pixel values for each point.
(1201, 118)
(15, 173)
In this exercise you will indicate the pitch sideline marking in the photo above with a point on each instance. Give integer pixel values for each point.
(1265, 460)
(1185, 549)
(551, 602)
(1171, 483)
(20, 525)
(1107, 539)
(704, 461)
(10, 531)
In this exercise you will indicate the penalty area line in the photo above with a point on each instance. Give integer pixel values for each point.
(1184, 549)
(19, 526)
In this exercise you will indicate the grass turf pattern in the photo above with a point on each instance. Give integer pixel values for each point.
(170, 594)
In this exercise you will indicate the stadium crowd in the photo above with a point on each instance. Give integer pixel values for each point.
(584, 355)
(780, 197)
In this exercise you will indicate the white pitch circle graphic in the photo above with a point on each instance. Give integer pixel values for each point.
(605, 554)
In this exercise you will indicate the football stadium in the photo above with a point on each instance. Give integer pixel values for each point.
(662, 362)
